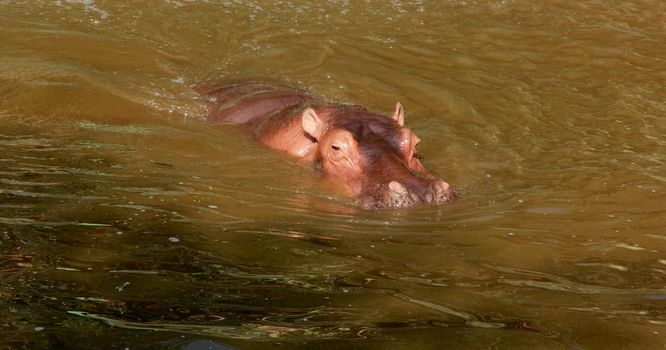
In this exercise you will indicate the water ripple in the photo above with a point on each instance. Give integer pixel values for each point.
(22, 193)
(561, 284)
(247, 330)
(32, 222)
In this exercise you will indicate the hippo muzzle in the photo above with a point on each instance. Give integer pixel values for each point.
(397, 195)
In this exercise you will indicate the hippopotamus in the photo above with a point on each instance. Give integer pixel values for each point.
(371, 156)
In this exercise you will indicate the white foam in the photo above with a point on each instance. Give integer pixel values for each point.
(89, 6)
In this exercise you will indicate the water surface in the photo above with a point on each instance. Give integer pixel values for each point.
(127, 222)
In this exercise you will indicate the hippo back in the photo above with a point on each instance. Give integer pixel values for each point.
(245, 102)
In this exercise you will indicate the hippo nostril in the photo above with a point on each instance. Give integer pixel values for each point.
(399, 196)
(441, 186)
(428, 197)
(397, 187)
(442, 191)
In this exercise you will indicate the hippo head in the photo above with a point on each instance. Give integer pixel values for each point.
(373, 156)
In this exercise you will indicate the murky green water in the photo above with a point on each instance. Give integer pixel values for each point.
(127, 222)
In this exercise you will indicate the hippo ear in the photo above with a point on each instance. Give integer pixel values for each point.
(312, 124)
(399, 114)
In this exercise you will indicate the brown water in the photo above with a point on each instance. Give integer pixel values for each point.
(127, 222)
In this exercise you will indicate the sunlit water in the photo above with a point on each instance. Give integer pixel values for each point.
(127, 222)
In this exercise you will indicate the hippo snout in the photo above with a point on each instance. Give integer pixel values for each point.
(437, 191)
(442, 191)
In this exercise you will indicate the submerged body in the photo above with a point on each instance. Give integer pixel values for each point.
(370, 155)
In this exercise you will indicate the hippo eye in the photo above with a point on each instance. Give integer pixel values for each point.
(336, 148)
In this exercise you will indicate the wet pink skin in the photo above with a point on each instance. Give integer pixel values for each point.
(372, 157)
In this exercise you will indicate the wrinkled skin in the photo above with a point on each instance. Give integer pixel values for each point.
(372, 156)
